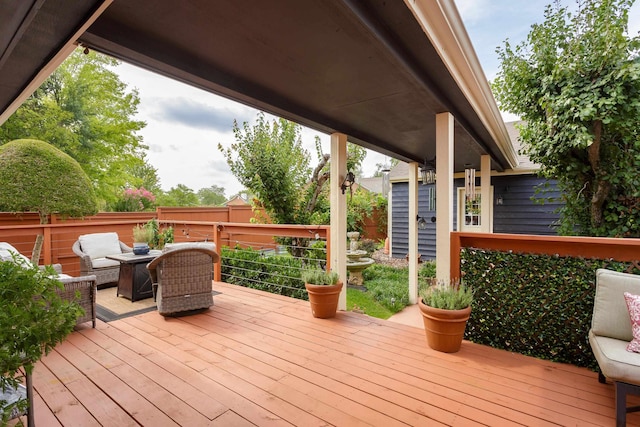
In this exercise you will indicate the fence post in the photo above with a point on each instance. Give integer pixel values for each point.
(454, 257)
(217, 267)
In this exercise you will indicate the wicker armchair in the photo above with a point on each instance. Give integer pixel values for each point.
(92, 250)
(83, 291)
(183, 276)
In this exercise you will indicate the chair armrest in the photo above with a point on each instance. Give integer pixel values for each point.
(56, 267)
(124, 248)
(86, 267)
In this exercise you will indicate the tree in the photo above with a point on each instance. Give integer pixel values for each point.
(37, 177)
(212, 196)
(270, 161)
(576, 84)
(86, 111)
(180, 195)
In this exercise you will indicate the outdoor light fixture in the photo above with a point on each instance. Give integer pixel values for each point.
(428, 171)
(499, 199)
(349, 180)
(422, 223)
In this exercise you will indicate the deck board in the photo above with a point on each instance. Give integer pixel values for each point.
(257, 359)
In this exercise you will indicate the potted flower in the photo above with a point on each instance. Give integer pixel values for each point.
(445, 310)
(142, 236)
(324, 289)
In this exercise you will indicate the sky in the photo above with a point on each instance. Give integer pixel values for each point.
(185, 124)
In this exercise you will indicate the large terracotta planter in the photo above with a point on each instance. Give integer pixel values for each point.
(444, 328)
(323, 299)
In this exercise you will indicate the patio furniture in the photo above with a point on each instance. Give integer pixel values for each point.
(183, 276)
(84, 285)
(93, 250)
(82, 290)
(135, 282)
(610, 334)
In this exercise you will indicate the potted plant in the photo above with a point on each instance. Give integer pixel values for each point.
(445, 308)
(324, 289)
(142, 236)
(33, 319)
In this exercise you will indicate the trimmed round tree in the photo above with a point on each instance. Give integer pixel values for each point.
(37, 177)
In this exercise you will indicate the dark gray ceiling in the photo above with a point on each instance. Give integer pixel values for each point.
(363, 68)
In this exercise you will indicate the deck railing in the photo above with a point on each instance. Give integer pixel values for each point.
(59, 237)
(586, 247)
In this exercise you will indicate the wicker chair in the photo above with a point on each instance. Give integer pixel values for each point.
(92, 256)
(83, 291)
(182, 277)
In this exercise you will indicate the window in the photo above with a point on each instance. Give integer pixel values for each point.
(472, 211)
(431, 198)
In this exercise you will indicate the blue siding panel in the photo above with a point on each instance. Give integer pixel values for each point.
(518, 214)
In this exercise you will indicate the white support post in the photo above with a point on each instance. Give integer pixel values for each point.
(485, 196)
(338, 234)
(444, 194)
(413, 233)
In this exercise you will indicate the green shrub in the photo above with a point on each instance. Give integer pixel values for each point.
(33, 319)
(278, 274)
(537, 305)
(388, 285)
(316, 276)
(448, 296)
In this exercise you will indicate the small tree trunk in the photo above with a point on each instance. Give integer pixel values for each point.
(37, 245)
(601, 188)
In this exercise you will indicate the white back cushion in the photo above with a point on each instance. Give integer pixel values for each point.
(99, 245)
(610, 314)
(7, 249)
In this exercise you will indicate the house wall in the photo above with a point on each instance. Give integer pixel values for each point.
(517, 215)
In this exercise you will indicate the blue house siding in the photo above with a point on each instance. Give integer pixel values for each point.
(517, 215)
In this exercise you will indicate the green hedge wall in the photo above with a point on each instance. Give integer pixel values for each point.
(537, 305)
(277, 274)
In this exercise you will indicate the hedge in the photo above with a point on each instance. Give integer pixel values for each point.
(537, 305)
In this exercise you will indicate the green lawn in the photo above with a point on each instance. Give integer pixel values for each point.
(364, 302)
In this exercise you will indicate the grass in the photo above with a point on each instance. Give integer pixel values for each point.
(364, 302)
(387, 289)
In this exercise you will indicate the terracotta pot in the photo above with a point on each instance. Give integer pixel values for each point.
(323, 299)
(444, 328)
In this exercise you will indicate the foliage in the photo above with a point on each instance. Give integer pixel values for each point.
(85, 110)
(142, 234)
(269, 160)
(255, 269)
(364, 302)
(576, 84)
(448, 296)
(388, 285)
(135, 200)
(537, 305)
(180, 195)
(316, 276)
(33, 319)
(37, 177)
(212, 196)
(158, 237)
(368, 245)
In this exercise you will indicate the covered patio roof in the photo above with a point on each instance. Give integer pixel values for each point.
(377, 71)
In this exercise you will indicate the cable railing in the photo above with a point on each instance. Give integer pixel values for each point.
(274, 255)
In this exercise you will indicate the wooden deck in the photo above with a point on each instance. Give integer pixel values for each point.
(260, 359)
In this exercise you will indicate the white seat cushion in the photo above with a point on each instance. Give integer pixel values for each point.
(99, 245)
(104, 263)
